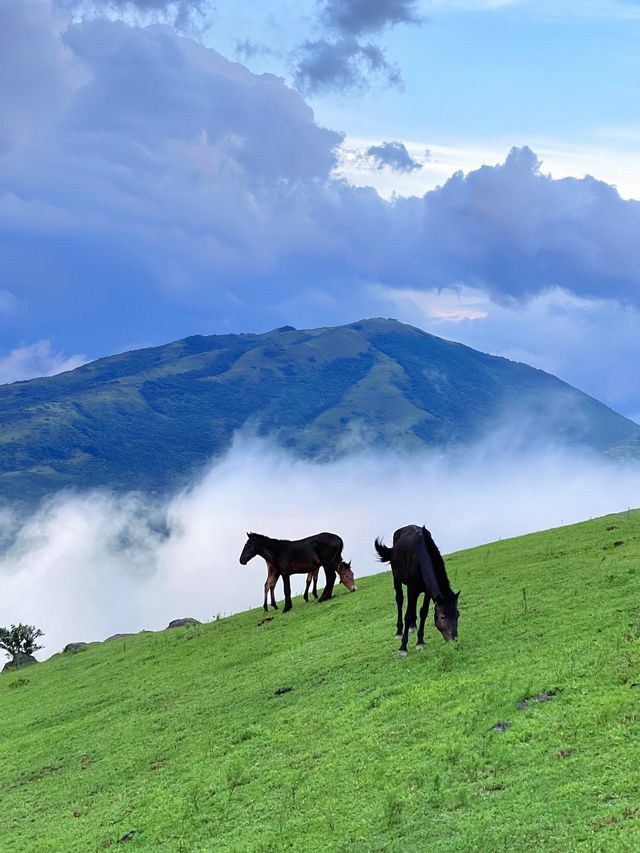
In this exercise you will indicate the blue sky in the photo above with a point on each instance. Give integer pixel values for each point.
(171, 168)
(481, 77)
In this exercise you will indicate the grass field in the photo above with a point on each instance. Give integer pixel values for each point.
(175, 741)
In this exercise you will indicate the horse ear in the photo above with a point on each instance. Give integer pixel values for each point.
(457, 595)
(248, 534)
(349, 564)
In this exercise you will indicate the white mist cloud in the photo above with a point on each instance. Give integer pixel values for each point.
(38, 359)
(86, 566)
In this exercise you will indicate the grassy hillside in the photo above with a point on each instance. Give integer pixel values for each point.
(148, 419)
(175, 740)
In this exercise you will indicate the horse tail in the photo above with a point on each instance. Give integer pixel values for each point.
(384, 554)
(427, 569)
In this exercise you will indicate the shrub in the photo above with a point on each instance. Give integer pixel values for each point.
(20, 638)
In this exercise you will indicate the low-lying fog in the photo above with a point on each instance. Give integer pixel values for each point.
(90, 565)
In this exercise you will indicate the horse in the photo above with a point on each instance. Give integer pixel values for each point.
(345, 576)
(286, 557)
(417, 563)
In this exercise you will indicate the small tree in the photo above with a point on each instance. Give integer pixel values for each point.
(20, 638)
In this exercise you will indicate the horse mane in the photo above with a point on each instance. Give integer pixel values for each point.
(261, 539)
(438, 566)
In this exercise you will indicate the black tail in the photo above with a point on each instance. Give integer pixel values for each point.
(384, 554)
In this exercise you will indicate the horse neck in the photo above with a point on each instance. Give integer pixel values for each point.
(439, 569)
(268, 548)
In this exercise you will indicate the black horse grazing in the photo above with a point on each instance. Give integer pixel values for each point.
(301, 556)
(417, 563)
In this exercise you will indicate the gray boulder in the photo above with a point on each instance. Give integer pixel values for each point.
(178, 623)
(118, 636)
(72, 648)
(19, 659)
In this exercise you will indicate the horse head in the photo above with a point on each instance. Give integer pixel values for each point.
(446, 617)
(347, 576)
(250, 549)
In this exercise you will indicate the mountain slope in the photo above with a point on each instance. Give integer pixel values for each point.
(149, 418)
(175, 740)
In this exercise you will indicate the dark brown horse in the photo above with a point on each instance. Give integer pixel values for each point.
(285, 557)
(417, 563)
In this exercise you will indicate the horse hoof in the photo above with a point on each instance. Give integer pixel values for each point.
(420, 647)
(412, 629)
(275, 606)
(398, 636)
(402, 654)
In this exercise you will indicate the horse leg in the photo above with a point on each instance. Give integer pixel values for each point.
(424, 611)
(269, 586)
(287, 593)
(315, 584)
(409, 618)
(273, 593)
(330, 575)
(307, 585)
(399, 600)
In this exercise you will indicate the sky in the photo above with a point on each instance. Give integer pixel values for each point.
(188, 167)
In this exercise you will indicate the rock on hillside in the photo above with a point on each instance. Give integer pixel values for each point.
(148, 419)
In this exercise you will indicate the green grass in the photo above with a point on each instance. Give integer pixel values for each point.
(178, 735)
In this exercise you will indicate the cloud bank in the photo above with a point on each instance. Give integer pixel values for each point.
(90, 565)
(152, 189)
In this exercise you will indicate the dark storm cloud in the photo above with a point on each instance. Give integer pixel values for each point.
(345, 64)
(344, 61)
(356, 17)
(394, 155)
(202, 197)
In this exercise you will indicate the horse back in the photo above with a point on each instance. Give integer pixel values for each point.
(315, 550)
(405, 563)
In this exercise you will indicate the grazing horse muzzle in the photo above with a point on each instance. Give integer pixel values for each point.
(346, 576)
(446, 619)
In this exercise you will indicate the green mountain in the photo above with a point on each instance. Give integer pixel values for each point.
(523, 736)
(148, 419)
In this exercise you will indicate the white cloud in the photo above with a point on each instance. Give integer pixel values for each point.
(451, 305)
(32, 360)
(611, 156)
(86, 566)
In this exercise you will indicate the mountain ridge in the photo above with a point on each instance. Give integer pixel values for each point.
(149, 418)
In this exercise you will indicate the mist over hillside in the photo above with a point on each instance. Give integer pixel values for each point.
(152, 419)
(90, 564)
